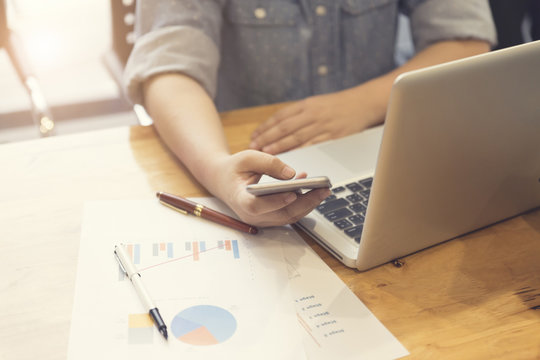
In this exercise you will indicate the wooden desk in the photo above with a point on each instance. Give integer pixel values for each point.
(474, 297)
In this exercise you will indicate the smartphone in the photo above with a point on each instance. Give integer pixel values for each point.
(296, 185)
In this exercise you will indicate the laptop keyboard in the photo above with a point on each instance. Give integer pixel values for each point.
(346, 207)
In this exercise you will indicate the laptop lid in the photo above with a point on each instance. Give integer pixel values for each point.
(460, 151)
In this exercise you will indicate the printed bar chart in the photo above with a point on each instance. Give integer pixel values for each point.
(140, 329)
(134, 251)
(195, 251)
(163, 248)
(198, 247)
(156, 254)
(236, 252)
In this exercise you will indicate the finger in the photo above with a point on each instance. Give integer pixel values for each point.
(285, 128)
(296, 139)
(296, 210)
(262, 163)
(280, 115)
(262, 205)
(318, 139)
(306, 203)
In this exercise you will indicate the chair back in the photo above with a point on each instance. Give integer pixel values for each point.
(3, 24)
(123, 23)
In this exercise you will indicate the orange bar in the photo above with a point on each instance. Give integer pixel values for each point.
(228, 245)
(195, 251)
(162, 246)
(130, 250)
(140, 321)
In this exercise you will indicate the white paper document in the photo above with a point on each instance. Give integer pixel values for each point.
(337, 324)
(221, 292)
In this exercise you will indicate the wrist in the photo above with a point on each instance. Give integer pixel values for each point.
(370, 100)
(211, 174)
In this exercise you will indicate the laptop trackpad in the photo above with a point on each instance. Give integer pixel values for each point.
(340, 159)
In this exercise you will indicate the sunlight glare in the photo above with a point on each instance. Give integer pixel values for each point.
(45, 48)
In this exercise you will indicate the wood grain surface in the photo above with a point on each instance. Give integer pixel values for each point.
(475, 297)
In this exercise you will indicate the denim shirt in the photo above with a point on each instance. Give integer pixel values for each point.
(252, 52)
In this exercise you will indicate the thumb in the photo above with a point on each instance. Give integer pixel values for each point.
(263, 163)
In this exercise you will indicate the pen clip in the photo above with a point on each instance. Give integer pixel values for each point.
(120, 263)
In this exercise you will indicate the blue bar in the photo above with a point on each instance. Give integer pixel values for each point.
(188, 246)
(235, 249)
(170, 253)
(220, 244)
(137, 253)
(202, 246)
(155, 249)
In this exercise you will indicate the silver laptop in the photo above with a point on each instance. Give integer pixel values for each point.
(460, 149)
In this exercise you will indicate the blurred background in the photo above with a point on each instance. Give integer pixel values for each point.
(64, 43)
(67, 56)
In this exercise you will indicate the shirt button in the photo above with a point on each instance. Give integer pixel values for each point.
(322, 70)
(320, 10)
(260, 13)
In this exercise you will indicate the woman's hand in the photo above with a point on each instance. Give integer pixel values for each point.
(231, 175)
(324, 117)
(316, 119)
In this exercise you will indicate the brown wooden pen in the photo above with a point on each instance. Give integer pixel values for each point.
(186, 206)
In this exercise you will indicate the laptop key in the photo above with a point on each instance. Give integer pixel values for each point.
(354, 187)
(354, 231)
(354, 198)
(338, 189)
(332, 205)
(343, 224)
(331, 197)
(366, 182)
(338, 214)
(358, 207)
(357, 239)
(365, 193)
(356, 219)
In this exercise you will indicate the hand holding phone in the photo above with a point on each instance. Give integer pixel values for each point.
(296, 185)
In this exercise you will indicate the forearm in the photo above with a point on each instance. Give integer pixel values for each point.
(379, 88)
(188, 122)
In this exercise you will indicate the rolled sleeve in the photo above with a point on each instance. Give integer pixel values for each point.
(175, 36)
(439, 20)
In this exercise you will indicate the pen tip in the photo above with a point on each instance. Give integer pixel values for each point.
(158, 194)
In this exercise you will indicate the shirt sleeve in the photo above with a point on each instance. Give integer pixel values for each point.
(438, 20)
(175, 36)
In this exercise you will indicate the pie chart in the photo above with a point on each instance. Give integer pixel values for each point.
(203, 325)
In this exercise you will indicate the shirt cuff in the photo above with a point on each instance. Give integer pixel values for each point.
(180, 49)
(435, 21)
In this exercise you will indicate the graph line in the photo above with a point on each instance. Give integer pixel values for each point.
(176, 259)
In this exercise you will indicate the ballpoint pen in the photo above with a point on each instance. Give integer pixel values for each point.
(131, 272)
(186, 206)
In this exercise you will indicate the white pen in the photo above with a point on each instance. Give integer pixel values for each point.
(131, 272)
